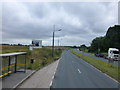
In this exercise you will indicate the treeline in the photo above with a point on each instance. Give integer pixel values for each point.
(14, 44)
(110, 40)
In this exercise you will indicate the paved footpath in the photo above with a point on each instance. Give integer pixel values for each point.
(42, 78)
(15, 79)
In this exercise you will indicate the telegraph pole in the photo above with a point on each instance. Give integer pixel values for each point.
(53, 40)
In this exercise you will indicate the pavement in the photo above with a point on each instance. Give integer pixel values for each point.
(42, 78)
(98, 58)
(15, 79)
(73, 72)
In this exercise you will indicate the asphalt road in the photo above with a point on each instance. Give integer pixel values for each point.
(73, 72)
(102, 59)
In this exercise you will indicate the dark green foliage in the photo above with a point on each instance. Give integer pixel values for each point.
(113, 37)
(110, 40)
(97, 44)
(83, 47)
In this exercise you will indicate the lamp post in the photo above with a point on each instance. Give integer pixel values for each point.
(53, 40)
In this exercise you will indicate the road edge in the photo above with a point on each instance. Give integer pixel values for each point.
(23, 80)
(98, 70)
(51, 83)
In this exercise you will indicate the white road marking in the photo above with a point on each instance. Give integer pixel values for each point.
(54, 74)
(50, 84)
(101, 71)
(52, 77)
(79, 71)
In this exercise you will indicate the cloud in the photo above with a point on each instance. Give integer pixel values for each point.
(80, 21)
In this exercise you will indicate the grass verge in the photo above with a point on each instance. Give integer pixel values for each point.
(42, 56)
(109, 69)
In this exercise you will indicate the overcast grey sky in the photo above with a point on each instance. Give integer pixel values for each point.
(80, 21)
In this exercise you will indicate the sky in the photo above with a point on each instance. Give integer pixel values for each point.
(80, 22)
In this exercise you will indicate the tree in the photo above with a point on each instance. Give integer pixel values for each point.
(110, 40)
(83, 47)
(97, 44)
(113, 37)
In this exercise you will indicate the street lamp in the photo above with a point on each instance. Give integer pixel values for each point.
(53, 40)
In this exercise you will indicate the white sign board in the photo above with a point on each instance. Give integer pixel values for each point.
(37, 43)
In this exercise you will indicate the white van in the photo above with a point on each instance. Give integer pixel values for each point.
(113, 54)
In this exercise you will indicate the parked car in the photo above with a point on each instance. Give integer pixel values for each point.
(106, 56)
(100, 55)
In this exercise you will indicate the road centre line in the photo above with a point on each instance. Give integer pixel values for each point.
(79, 71)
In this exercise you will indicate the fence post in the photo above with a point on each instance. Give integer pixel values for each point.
(15, 64)
(9, 65)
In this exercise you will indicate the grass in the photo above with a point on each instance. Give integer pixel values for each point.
(109, 69)
(42, 56)
(92, 53)
(104, 53)
(12, 48)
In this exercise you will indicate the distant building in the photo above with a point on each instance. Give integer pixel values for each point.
(35, 44)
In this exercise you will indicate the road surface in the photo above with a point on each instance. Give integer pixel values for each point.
(72, 72)
(98, 58)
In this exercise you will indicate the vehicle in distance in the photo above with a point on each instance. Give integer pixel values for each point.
(113, 54)
(99, 55)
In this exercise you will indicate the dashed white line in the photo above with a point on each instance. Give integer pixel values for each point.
(50, 84)
(53, 75)
(79, 71)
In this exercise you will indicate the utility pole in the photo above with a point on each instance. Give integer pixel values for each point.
(53, 40)
(58, 42)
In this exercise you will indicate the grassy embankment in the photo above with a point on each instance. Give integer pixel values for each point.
(42, 56)
(92, 53)
(12, 48)
(111, 70)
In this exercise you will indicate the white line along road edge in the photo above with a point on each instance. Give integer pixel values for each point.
(101, 72)
(54, 73)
